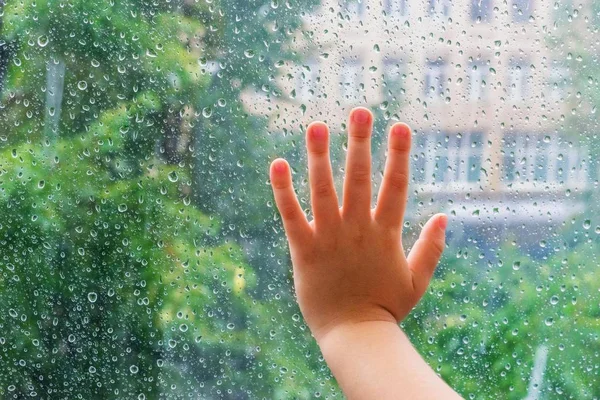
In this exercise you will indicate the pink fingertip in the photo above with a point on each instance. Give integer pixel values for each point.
(443, 222)
(279, 166)
(361, 115)
(401, 130)
(318, 131)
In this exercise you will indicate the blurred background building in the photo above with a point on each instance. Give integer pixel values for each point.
(490, 106)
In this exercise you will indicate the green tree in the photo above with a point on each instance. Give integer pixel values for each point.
(483, 321)
(113, 282)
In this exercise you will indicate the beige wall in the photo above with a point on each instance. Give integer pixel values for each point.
(373, 37)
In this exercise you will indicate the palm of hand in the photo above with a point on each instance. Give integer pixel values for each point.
(349, 264)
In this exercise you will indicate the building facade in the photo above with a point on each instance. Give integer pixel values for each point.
(486, 85)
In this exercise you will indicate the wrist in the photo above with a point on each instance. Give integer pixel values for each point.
(349, 330)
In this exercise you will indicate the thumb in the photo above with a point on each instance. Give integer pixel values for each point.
(426, 252)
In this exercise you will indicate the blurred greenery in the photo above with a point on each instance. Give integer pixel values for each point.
(141, 256)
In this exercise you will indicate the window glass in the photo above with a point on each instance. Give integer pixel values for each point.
(521, 11)
(478, 75)
(518, 80)
(481, 10)
(396, 8)
(141, 253)
(435, 76)
(355, 7)
(393, 78)
(440, 7)
(351, 80)
(307, 80)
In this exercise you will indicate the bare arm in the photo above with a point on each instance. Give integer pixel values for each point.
(353, 280)
(375, 360)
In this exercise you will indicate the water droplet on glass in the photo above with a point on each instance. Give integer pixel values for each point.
(92, 297)
(122, 207)
(42, 41)
(82, 85)
(173, 177)
(134, 369)
(587, 224)
(249, 53)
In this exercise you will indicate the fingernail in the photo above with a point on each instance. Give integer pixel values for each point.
(318, 131)
(279, 166)
(443, 222)
(401, 130)
(361, 116)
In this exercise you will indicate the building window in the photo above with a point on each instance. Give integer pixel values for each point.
(354, 7)
(448, 158)
(543, 159)
(518, 76)
(396, 8)
(351, 80)
(521, 10)
(562, 166)
(307, 79)
(559, 81)
(481, 10)
(478, 77)
(435, 78)
(517, 158)
(392, 79)
(420, 158)
(441, 167)
(509, 165)
(474, 155)
(540, 172)
(440, 7)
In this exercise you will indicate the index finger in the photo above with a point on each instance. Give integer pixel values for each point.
(294, 220)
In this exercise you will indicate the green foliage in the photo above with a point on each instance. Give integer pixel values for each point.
(117, 280)
(114, 283)
(482, 322)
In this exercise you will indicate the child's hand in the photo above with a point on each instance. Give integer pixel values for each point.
(349, 264)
